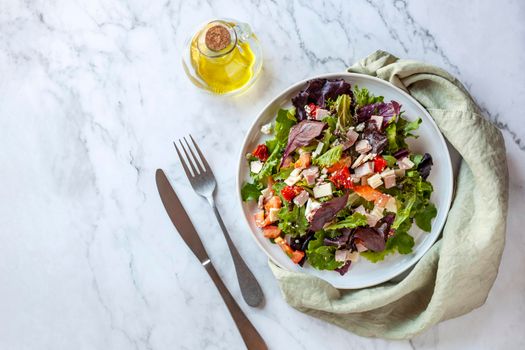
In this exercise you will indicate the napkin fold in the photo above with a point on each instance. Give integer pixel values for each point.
(456, 274)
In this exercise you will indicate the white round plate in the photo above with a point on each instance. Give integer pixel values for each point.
(362, 273)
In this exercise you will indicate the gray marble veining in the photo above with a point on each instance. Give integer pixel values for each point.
(92, 95)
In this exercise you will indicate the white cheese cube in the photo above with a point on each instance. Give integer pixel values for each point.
(360, 127)
(352, 136)
(377, 212)
(294, 177)
(310, 174)
(256, 166)
(390, 181)
(266, 128)
(375, 181)
(341, 255)
(323, 190)
(273, 215)
(260, 202)
(374, 216)
(391, 205)
(318, 149)
(311, 208)
(267, 193)
(388, 172)
(363, 146)
(405, 163)
(358, 161)
(364, 169)
(360, 247)
(321, 113)
(399, 172)
(353, 256)
(361, 210)
(301, 198)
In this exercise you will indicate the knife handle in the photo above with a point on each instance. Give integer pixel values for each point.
(249, 334)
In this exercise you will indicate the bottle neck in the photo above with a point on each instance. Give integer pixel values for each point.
(217, 39)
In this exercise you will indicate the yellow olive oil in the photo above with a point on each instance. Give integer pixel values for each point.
(224, 57)
(226, 73)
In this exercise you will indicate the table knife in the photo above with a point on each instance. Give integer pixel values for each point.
(184, 226)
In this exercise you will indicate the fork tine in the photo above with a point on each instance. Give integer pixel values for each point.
(189, 173)
(191, 162)
(203, 159)
(195, 158)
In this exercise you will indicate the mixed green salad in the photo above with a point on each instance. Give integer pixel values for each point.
(337, 180)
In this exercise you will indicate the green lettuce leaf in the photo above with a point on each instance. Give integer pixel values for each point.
(277, 187)
(330, 157)
(250, 191)
(398, 130)
(391, 160)
(414, 205)
(424, 217)
(320, 256)
(293, 222)
(363, 97)
(283, 173)
(284, 121)
(342, 108)
(271, 165)
(352, 221)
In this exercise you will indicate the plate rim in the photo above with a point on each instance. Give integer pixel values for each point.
(334, 75)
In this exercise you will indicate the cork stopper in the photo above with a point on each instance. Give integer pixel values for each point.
(217, 38)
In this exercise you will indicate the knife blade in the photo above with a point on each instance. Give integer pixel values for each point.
(179, 217)
(184, 226)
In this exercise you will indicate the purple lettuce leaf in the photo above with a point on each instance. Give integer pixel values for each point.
(372, 239)
(317, 91)
(386, 110)
(301, 134)
(384, 224)
(402, 153)
(327, 212)
(299, 101)
(425, 165)
(375, 138)
(339, 241)
(344, 269)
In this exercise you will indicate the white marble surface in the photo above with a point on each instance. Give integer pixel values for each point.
(91, 95)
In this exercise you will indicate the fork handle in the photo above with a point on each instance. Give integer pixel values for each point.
(249, 334)
(250, 289)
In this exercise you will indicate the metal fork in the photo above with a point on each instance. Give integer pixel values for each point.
(203, 182)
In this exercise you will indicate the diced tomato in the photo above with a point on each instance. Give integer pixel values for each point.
(261, 152)
(297, 256)
(274, 202)
(313, 109)
(284, 246)
(303, 161)
(289, 192)
(341, 178)
(259, 219)
(342, 163)
(271, 231)
(379, 164)
(372, 195)
(367, 192)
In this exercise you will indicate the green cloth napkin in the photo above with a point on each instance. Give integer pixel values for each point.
(456, 274)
